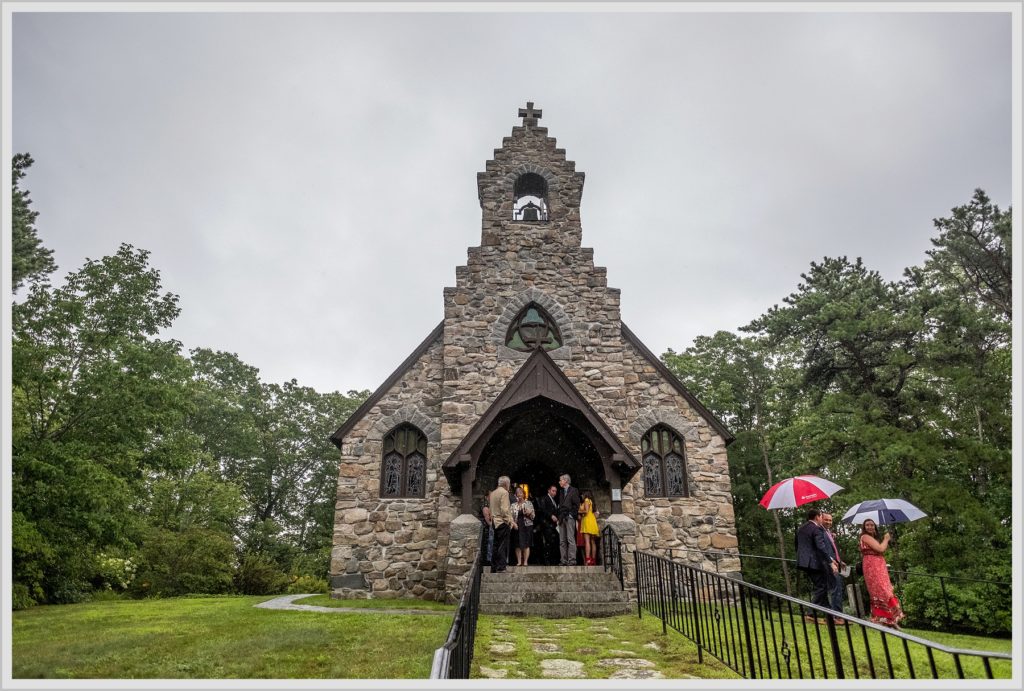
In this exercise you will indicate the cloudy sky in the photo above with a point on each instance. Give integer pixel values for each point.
(307, 182)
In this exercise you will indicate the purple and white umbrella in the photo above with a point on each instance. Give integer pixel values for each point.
(883, 512)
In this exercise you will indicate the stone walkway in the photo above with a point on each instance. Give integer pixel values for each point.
(558, 663)
(287, 602)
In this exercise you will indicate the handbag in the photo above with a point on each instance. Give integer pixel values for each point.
(579, 535)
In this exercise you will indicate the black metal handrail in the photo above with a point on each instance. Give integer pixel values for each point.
(718, 554)
(760, 633)
(611, 554)
(453, 659)
(899, 579)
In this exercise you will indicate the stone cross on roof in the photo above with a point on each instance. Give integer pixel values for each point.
(529, 115)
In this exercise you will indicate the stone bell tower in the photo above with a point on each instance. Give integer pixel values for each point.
(531, 374)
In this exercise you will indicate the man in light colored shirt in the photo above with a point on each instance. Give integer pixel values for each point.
(501, 514)
(835, 595)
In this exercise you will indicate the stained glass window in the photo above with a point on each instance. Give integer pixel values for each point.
(533, 328)
(404, 469)
(664, 464)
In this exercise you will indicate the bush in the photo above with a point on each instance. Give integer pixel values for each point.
(258, 574)
(196, 560)
(308, 584)
(982, 608)
(20, 597)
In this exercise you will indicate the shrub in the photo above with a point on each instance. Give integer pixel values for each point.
(196, 560)
(258, 574)
(307, 584)
(982, 608)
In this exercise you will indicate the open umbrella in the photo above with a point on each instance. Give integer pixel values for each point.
(796, 491)
(883, 512)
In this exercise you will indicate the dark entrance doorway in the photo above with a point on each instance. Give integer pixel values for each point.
(535, 443)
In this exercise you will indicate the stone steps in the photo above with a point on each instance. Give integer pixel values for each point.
(554, 591)
(571, 596)
(562, 610)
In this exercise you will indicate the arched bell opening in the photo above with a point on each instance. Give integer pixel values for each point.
(530, 198)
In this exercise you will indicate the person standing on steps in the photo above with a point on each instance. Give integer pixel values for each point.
(522, 523)
(588, 526)
(568, 508)
(546, 507)
(501, 514)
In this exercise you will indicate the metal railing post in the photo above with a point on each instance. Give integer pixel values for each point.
(661, 594)
(746, 632)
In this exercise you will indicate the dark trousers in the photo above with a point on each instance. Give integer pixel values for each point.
(835, 595)
(499, 554)
(821, 585)
(550, 553)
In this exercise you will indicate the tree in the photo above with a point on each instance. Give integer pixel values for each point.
(98, 400)
(748, 387)
(30, 260)
(272, 441)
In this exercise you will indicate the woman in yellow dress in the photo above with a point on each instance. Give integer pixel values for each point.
(588, 526)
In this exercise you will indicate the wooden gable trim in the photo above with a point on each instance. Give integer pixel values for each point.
(665, 372)
(362, 410)
(539, 376)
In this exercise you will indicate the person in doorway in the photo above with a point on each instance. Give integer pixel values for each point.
(501, 513)
(546, 508)
(814, 557)
(588, 526)
(885, 607)
(835, 595)
(568, 509)
(522, 524)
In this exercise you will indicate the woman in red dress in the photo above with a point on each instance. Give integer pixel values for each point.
(885, 608)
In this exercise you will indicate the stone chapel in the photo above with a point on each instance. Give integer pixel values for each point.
(531, 373)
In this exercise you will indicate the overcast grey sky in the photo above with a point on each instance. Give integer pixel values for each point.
(307, 182)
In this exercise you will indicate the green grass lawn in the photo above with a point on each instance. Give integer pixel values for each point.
(221, 637)
(405, 603)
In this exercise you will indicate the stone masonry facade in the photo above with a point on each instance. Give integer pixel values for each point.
(421, 547)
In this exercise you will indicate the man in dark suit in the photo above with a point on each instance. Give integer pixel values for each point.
(546, 507)
(814, 557)
(568, 510)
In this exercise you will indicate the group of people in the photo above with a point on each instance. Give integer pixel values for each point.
(818, 556)
(552, 518)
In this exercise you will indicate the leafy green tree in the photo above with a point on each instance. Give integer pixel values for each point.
(748, 387)
(97, 399)
(30, 259)
(272, 441)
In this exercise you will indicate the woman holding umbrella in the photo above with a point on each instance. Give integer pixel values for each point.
(885, 607)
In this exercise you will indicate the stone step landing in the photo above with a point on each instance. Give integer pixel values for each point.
(554, 592)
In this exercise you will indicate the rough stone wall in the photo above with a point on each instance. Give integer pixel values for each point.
(702, 521)
(392, 547)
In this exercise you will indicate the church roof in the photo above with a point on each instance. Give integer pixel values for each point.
(672, 379)
(632, 338)
(540, 376)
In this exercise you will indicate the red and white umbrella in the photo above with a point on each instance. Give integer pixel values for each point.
(797, 491)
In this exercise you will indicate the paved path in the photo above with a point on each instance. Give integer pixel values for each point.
(287, 602)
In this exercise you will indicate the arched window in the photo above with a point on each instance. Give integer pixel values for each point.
(404, 466)
(530, 198)
(533, 328)
(664, 464)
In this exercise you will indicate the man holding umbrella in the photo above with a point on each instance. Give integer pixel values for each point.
(814, 557)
